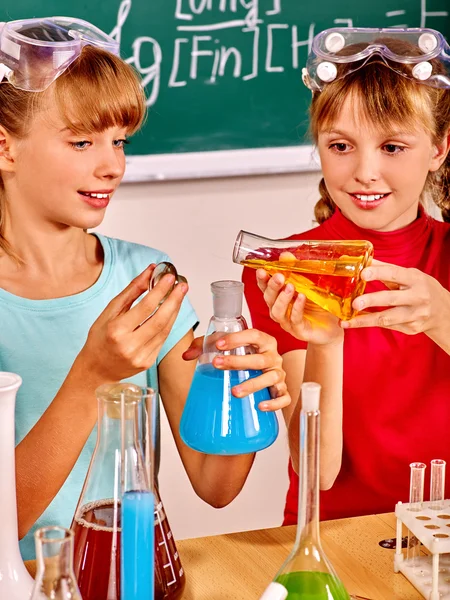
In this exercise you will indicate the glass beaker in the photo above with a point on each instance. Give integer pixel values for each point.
(102, 518)
(327, 272)
(214, 421)
(307, 572)
(55, 577)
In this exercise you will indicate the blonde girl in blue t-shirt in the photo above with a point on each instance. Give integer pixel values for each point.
(69, 324)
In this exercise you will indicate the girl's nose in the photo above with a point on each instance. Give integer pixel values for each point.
(111, 165)
(367, 168)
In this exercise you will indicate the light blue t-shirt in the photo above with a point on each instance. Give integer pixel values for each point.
(40, 339)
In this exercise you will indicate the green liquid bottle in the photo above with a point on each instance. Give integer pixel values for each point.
(307, 574)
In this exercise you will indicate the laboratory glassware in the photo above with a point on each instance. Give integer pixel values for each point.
(170, 579)
(15, 582)
(437, 484)
(214, 421)
(307, 572)
(105, 511)
(55, 577)
(137, 506)
(161, 269)
(416, 485)
(327, 272)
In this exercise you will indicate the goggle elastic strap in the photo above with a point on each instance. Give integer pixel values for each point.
(4, 71)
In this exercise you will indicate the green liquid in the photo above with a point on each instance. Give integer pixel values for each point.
(312, 585)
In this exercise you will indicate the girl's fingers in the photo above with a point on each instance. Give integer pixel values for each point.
(274, 287)
(262, 279)
(297, 310)
(194, 350)
(123, 301)
(161, 322)
(386, 319)
(390, 274)
(256, 362)
(255, 384)
(385, 298)
(277, 403)
(280, 307)
(145, 308)
(249, 337)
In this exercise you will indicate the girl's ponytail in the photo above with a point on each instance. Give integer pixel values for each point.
(438, 187)
(325, 207)
(444, 201)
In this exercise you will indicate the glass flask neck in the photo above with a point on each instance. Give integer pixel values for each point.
(227, 302)
(121, 428)
(249, 243)
(112, 423)
(123, 455)
(308, 503)
(55, 576)
(227, 299)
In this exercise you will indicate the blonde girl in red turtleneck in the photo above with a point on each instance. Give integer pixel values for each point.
(385, 374)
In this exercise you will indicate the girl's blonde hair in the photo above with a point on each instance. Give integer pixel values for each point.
(97, 91)
(386, 99)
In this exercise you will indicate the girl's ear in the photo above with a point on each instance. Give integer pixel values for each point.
(440, 152)
(6, 160)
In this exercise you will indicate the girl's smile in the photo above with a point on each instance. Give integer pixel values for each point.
(366, 201)
(98, 199)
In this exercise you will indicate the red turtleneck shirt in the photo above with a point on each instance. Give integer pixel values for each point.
(396, 394)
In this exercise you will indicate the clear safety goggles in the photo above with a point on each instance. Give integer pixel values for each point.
(34, 52)
(420, 54)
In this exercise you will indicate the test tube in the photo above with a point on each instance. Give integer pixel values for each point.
(437, 484)
(416, 486)
(415, 505)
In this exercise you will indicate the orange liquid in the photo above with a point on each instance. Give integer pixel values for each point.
(332, 284)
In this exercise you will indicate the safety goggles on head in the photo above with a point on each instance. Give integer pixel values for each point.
(420, 54)
(34, 52)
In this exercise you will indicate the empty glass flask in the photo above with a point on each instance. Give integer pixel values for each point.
(55, 577)
(214, 421)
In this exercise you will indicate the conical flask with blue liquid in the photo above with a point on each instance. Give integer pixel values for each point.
(214, 421)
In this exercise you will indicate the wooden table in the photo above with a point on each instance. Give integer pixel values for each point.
(239, 566)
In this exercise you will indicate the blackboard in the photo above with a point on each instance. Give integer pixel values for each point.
(223, 77)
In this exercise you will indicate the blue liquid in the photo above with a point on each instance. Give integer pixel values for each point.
(215, 422)
(137, 546)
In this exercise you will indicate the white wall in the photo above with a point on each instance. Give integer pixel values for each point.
(196, 223)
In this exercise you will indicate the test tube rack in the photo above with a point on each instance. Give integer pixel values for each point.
(429, 574)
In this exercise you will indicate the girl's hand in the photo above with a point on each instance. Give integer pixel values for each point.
(123, 340)
(266, 360)
(301, 318)
(419, 302)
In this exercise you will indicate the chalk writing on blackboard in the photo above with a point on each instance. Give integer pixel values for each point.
(201, 45)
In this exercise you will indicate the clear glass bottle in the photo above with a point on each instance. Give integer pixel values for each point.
(327, 272)
(55, 577)
(214, 421)
(307, 574)
(117, 520)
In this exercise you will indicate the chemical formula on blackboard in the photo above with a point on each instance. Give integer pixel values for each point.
(268, 44)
